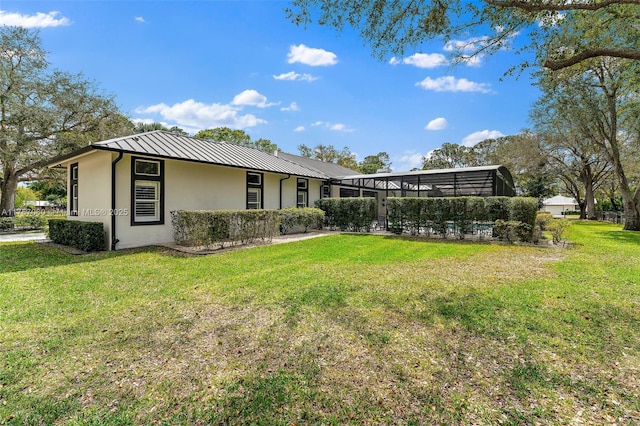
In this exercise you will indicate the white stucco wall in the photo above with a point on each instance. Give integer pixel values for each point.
(187, 186)
(94, 188)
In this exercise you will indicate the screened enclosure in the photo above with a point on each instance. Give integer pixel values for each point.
(484, 181)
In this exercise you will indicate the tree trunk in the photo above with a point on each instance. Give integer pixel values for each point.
(583, 210)
(590, 200)
(8, 187)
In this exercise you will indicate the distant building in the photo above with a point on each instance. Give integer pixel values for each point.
(559, 205)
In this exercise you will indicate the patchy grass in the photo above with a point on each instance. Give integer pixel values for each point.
(354, 329)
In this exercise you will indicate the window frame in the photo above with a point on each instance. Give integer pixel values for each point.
(325, 190)
(255, 187)
(302, 188)
(144, 177)
(73, 190)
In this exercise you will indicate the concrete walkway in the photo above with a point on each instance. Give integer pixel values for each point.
(27, 236)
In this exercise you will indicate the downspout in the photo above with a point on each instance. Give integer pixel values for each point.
(284, 178)
(114, 240)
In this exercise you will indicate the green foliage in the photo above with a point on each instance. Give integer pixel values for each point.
(457, 215)
(6, 223)
(23, 195)
(236, 137)
(86, 236)
(558, 227)
(220, 227)
(30, 221)
(349, 214)
(372, 163)
(293, 218)
(44, 112)
(329, 154)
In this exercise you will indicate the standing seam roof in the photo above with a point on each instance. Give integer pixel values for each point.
(169, 145)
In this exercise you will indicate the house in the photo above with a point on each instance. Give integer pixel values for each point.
(559, 204)
(132, 183)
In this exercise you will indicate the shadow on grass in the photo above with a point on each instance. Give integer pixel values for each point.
(628, 237)
(23, 256)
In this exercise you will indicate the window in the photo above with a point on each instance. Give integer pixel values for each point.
(147, 191)
(325, 191)
(303, 193)
(254, 190)
(349, 193)
(73, 191)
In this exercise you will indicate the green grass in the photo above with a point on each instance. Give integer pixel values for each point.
(356, 329)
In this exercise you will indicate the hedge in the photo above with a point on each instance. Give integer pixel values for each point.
(220, 227)
(515, 217)
(294, 219)
(349, 214)
(86, 236)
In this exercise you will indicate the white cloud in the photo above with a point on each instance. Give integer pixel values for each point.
(336, 127)
(294, 76)
(292, 107)
(38, 20)
(407, 161)
(299, 129)
(466, 46)
(311, 56)
(339, 127)
(252, 98)
(139, 19)
(439, 123)
(474, 138)
(452, 84)
(198, 115)
(422, 60)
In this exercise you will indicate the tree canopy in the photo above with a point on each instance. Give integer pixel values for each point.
(237, 137)
(44, 112)
(561, 32)
(329, 154)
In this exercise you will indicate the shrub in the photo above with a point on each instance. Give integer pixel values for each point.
(543, 219)
(86, 236)
(30, 221)
(349, 214)
(557, 227)
(497, 208)
(6, 223)
(292, 218)
(209, 228)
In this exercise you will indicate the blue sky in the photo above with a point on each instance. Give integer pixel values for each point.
(242, 64)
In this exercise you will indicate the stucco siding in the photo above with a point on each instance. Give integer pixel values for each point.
(94, 188)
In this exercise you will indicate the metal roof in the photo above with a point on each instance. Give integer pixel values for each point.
(328, 169)
(164, 144)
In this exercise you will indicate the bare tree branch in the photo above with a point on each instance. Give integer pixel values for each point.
(558, 7)
(555, 65)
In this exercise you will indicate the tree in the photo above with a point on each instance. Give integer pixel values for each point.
(577, 161)
(562, 33)
(449, 156)
(329, 154)
(523, 155)
(39, 111)
(372, 163)
(237, 137)
(149, 127)
(603, 100)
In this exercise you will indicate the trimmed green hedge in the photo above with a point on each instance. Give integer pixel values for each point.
(294, 219)
(514, 217)
(87, 236)
(220, 227)
(349, 214)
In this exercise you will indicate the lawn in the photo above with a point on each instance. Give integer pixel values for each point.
(358, 329)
